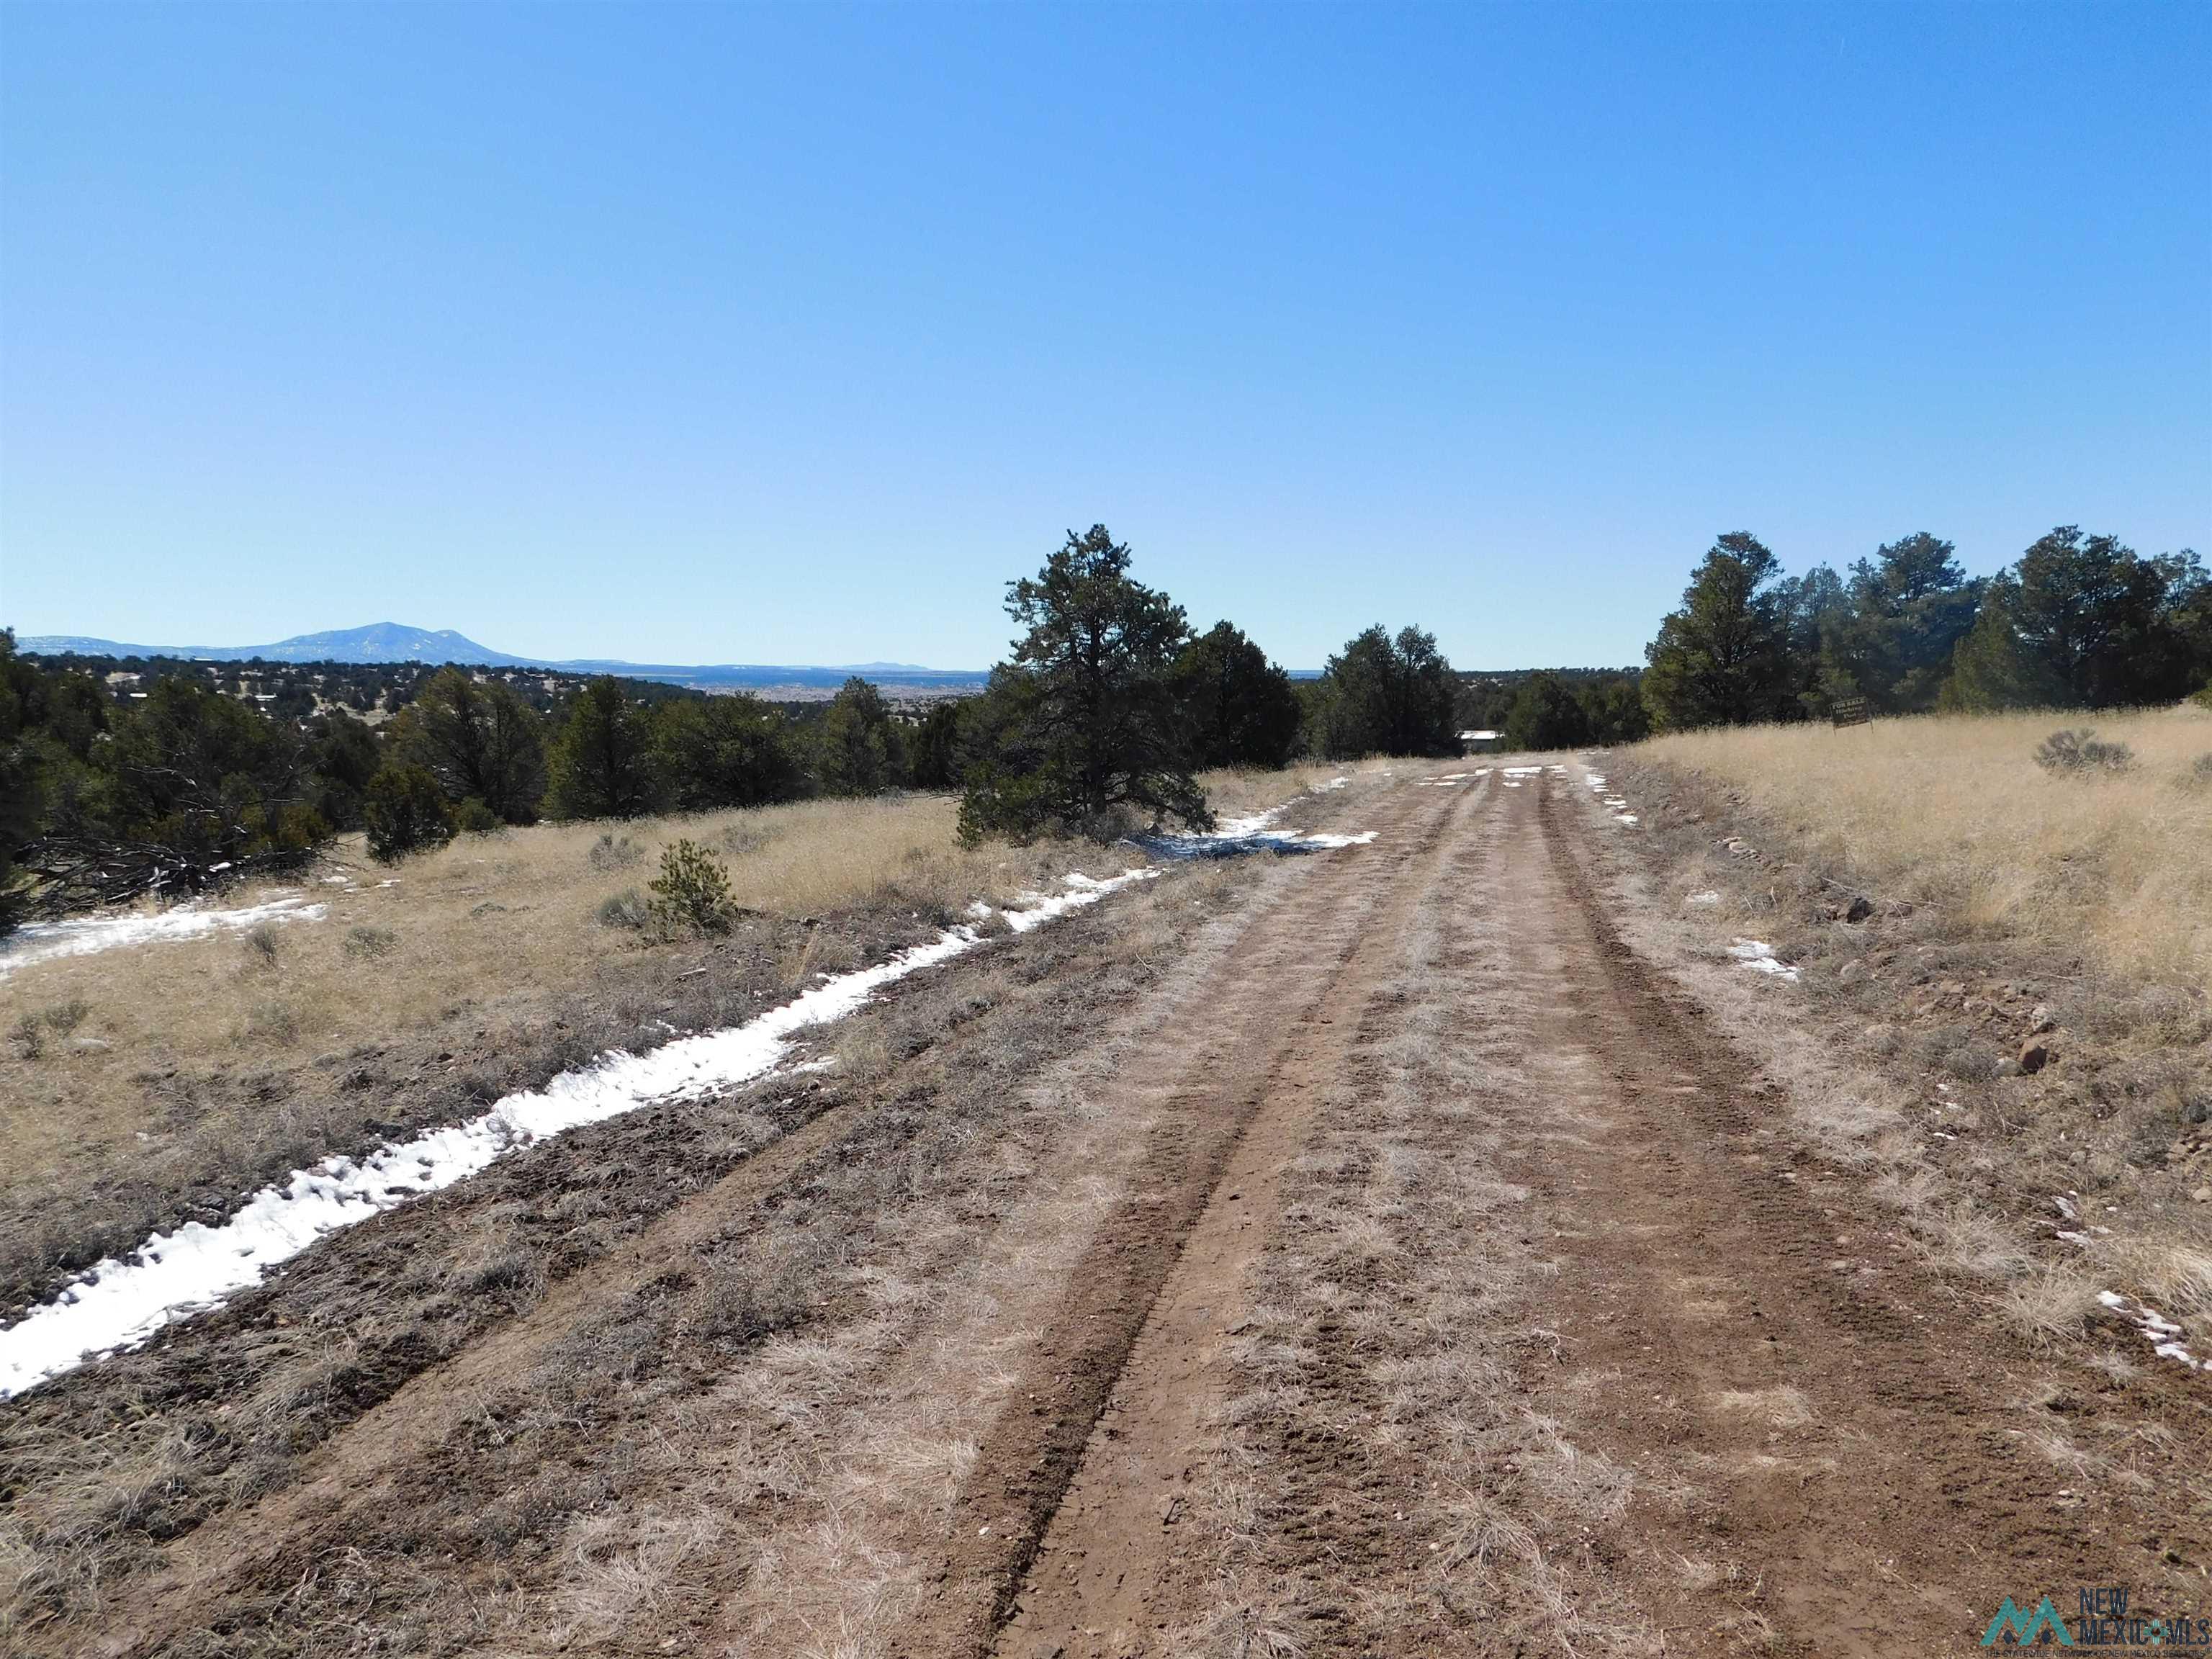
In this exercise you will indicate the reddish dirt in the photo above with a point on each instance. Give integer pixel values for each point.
(1832, 1449)
(1446, 1284)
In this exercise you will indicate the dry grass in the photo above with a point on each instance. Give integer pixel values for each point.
(163, 1079)
(193, 1064)
(1953, 812)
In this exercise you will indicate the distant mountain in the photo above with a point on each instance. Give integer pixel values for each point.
(378, 642)
(384, 642)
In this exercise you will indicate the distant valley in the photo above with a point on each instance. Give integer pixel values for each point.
(397, 642)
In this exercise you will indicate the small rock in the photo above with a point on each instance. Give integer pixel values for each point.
(1851, 972)
(2202, 1195)
(2040, 1019)
(2033, 1057)
(88, 1046)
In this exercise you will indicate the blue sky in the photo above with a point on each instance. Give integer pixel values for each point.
(714, 334)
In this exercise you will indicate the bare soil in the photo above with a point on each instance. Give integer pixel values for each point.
(1365, 1253)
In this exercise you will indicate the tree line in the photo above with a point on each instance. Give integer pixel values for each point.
(1109, 706)
(2078, 621)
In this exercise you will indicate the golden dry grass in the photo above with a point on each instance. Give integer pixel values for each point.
(1953, 811)
(477, 935)
(159, 1051)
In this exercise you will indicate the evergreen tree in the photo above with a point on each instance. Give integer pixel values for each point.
(935, 755)
(1723, 659)
(1238, 708)
(345, 756)
(477, 739)
(404, 810)
(602, 762)
(1389, 696)
(22, 782)
(1546, 715)
(725, 752)
(1084, 725)
(1908, 608)
(2083, 622)
(860, 748)
(1615, 711)
(208, 778)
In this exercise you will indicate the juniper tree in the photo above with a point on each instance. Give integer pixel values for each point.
(602, 764)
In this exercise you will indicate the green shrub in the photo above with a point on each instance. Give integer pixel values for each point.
(2203, 699)
(404, 811)
(28, 1037)
(473, 818)
(691, 894)
(2078, 751)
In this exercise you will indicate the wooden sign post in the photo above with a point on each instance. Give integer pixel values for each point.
(1849, 711)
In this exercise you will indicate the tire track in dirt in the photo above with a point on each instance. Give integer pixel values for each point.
(1835, 1437)
(1799, 1439)
(354, 1468)
(1128, 1362)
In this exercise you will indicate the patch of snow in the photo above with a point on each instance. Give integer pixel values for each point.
(41, 941)
(1760, 956)
(1253, 833)
(1624, 817)
(1524, 771)
(2163, 1334)
(120, 1303)
(1707, 897)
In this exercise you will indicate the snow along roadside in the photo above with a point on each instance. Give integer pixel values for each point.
(41, 941)
(118, 1305)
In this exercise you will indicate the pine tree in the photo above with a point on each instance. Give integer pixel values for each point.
(1385, 695)
(860, 748)
(1723, 659)
(1083, 726)
(1546, 715)
(1238, 708)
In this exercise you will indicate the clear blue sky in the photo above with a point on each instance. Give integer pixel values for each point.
(709, 334)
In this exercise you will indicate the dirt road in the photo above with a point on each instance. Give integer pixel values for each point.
(1404, 1267)
(1698, 1397)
